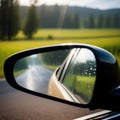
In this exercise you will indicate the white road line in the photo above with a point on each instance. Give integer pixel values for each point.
(93, 115)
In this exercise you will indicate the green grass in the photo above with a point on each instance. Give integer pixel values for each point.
(69, 33)
(105, 38)
(19, 72)
(87, 86)
(51, 67)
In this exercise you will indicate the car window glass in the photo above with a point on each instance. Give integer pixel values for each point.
(68, 80)
(80, 75)
(63, 67)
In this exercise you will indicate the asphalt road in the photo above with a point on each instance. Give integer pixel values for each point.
(16, 105)
(35, 78)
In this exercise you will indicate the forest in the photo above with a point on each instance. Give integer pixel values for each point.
(29, 19)
(74, 17)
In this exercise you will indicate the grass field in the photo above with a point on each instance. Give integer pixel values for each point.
(105, 38)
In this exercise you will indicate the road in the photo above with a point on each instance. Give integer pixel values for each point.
(16, 105)
(35, 78)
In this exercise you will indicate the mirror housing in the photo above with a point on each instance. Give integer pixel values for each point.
(106, 94)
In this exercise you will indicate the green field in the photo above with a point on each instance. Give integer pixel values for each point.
(105, 38)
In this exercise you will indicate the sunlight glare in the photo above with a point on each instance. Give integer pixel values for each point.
(24, 2)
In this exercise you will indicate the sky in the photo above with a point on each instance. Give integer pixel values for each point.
(97, 4)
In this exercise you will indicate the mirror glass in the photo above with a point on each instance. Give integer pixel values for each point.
(68, 74)
(34, 72)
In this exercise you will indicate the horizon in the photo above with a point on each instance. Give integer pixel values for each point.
(74, 6)
(94, 4)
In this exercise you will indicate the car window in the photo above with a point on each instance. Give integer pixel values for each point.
(62, 68)
(68, 79)
(80, 75)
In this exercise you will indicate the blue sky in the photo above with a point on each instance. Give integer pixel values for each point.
(99, 4)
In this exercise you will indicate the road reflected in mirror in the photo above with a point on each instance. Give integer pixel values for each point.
(34, 72)
(35, 78)
(68, 74)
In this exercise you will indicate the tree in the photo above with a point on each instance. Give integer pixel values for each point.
(85, 23)
(31, 22)
(9, 19)
(76, 21)
(116, 21)
(67, 21)
(100, 20)
(107, 21)
(91, 22)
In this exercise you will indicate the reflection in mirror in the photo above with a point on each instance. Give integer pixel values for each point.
(34, 72)
(78, 78)
(67, 74)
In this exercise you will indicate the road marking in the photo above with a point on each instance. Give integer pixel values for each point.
(93, 115)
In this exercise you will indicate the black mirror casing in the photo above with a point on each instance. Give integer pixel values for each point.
(107, 79)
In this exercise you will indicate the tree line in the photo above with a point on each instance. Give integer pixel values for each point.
(74, 19)
(14, 18)
(10, 19)
(102, 21)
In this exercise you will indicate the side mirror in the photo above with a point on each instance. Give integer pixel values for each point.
(76, 74)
